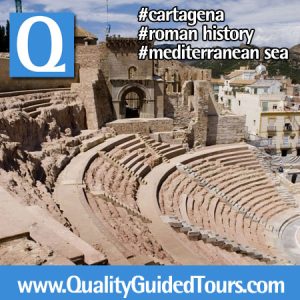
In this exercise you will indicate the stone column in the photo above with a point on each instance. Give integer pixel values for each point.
(159, 90)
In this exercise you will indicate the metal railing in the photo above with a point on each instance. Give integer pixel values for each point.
(288, 128)
(286, 145)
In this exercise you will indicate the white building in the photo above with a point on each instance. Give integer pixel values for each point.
(272, 117)
(259, 95)
(234, 82)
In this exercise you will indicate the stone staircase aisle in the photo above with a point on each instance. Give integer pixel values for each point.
(265, 160)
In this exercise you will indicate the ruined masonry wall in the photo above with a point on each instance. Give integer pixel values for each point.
(94, 94)
(8, 84)
(143, 126)
(225, 129)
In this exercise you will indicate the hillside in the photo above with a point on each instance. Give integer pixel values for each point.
(290, 68)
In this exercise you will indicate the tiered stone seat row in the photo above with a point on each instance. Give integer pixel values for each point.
(140, 155)
(163, 150)
(128, 231)
(103, 176)
(232, 199)
(34, 102)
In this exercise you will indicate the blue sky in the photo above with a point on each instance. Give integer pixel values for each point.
(277, 22)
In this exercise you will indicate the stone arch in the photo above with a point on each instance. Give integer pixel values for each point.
(132, 99)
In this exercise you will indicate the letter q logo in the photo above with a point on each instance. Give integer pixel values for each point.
(42, 45)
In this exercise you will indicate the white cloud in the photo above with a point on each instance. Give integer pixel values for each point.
(276, 22)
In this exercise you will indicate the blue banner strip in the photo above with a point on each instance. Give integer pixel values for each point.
(176, 282)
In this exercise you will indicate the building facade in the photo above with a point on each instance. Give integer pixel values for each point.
(272, 117)
(262, 96)
(136, 91)
(281, 131)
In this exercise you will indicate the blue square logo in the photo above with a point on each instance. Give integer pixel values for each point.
(42, 45)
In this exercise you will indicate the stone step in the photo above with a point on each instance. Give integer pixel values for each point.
(129, 144)
(91, 143)
(35, 107)
(34, 114)
(137, 167)
(174, 153)
(171, 148)
(64, 241)
(140, 145)
(162, 147)
(135, 160)
(143, 171)
(35, 102)
(128, 158)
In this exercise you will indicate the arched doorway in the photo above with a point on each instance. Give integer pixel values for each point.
(132, 101)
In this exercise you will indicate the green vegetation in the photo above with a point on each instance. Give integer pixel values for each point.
(288, 68)
(221, 67)
(284, 68)
(4, 38)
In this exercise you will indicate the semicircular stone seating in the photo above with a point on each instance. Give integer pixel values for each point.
(225, 197)
(112, 181)
(218, 202)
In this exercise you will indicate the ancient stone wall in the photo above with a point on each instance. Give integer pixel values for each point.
(120, 63)
(8, 84)
(160, 95)
(143, 126)
(94, 94)
(123, 60)
(91, 56)
(171, 103)
(200, 106)
(187, 90)
(225, 129)
(31, 133)
(175, 109)
(186, 72)
(176, 74)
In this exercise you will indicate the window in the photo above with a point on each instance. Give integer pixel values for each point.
(284, 152)
(294, 178)
(274, 107)
(254, 122)
(288, 127)
(239, 102)
(132, 72)
(264, 106)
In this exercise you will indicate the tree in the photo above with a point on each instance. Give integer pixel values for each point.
(7, 36)
(4, 38)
